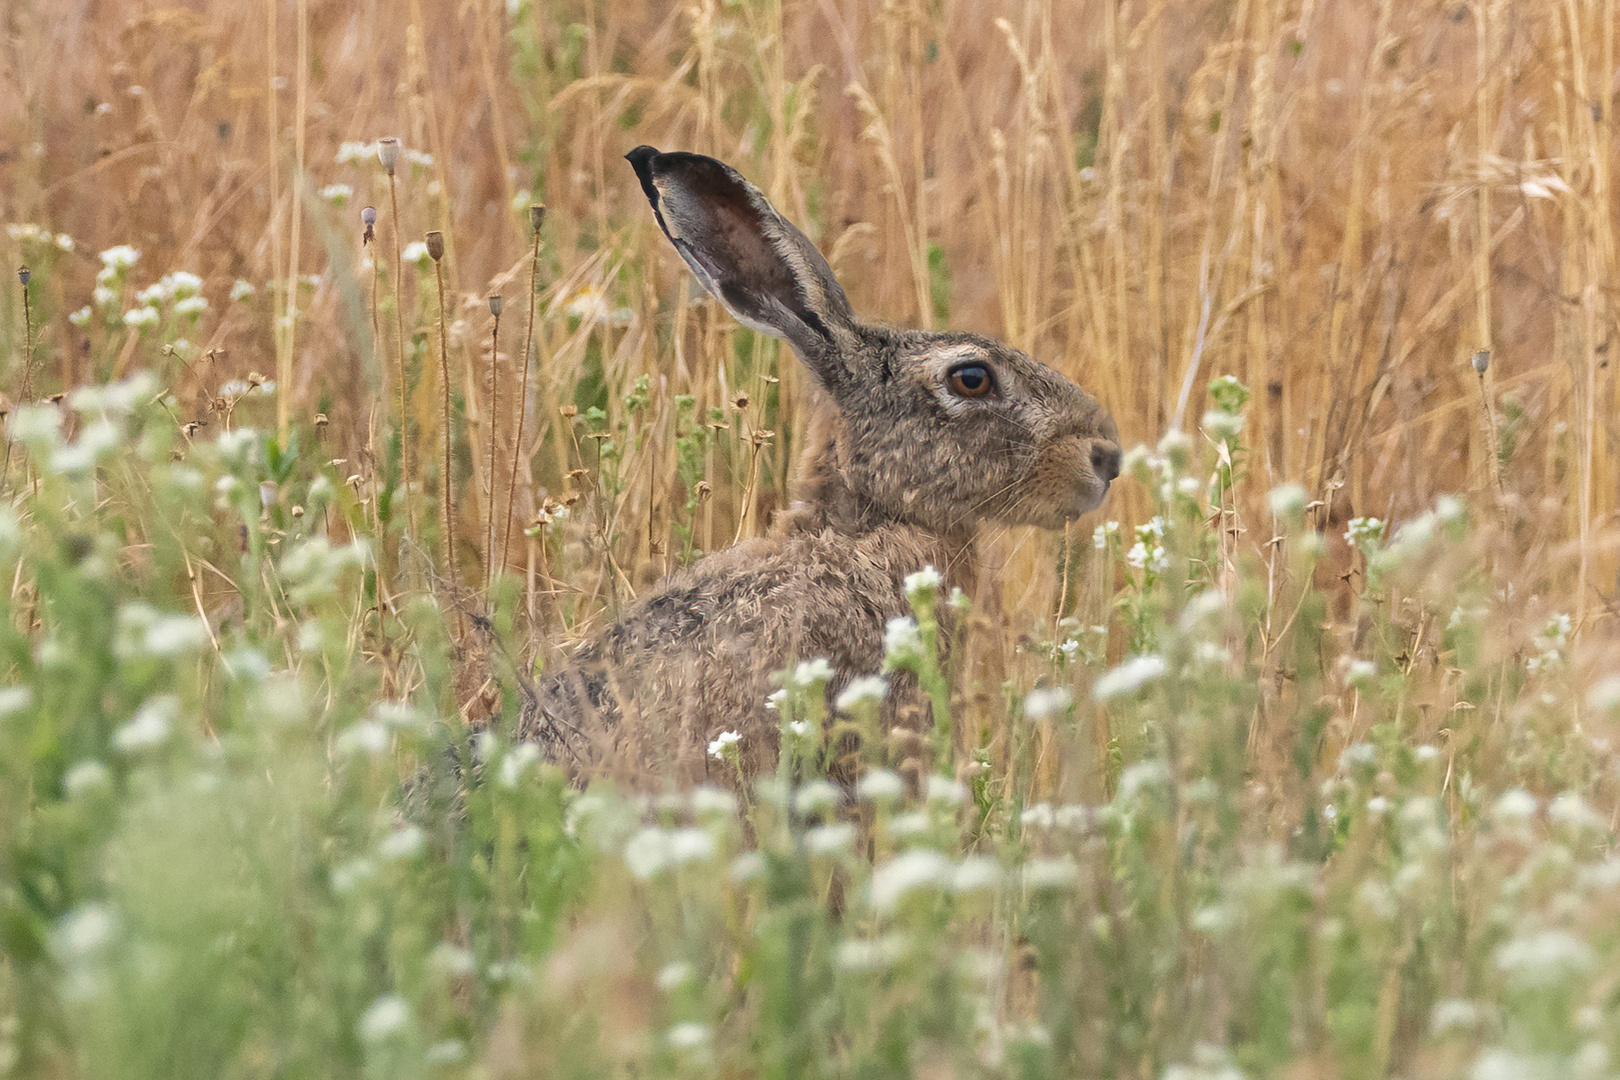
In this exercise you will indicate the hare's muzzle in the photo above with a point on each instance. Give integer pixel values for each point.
(1071, 477)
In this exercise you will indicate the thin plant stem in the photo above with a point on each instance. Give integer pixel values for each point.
(538, 218)
(404, 397)
(448, 496)
(494, 423)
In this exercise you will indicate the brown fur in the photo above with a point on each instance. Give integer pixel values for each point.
(900, 468)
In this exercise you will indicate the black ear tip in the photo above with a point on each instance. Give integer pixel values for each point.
(640, 159)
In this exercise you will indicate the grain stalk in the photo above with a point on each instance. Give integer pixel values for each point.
(537, 218)
(495, 305)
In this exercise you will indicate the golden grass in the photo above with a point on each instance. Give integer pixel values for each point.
(1340, 204)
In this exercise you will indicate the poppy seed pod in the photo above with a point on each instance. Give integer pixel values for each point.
(388, 153)
(23, 274)
(537, 216)
(435, 244)
(1482, 361)
(368, 216)
(495, 303)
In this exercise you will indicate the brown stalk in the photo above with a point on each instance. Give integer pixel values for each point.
(537, 218)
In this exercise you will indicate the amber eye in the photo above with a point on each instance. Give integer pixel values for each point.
(971, 380)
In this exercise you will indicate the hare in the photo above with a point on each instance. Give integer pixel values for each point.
(914, 439)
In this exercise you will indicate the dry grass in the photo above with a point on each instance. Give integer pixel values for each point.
(1339, 204)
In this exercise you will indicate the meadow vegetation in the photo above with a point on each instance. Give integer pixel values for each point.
(1296, 760)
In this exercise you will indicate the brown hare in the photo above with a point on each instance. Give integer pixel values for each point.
(914, 439)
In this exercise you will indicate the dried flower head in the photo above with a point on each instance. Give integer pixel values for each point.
(368, 218)
(495, 304)
(537, 216)
(23, 274)
(388, 153)
(435, 245)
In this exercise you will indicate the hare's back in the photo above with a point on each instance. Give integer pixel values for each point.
(695, 657)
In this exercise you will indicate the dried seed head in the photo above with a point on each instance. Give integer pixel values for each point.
(435, 244)
(388, 153)
(321, 420)
(1482, 361)
(570, 411)
(741, 401)
(570, 498)
(368, 216)
(297, 511)
(495, 303)
(761, 436)
(704, 490)
(23, 274)
(576, 475)
(537, 216)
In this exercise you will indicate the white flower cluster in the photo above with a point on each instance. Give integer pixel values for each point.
(654, 850)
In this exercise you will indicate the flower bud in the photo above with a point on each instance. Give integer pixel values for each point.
(388, 153)
(435, 244)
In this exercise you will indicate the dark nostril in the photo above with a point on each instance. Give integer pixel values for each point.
(1105, 460)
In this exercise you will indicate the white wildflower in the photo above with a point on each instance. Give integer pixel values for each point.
(1101, 534)
(902, 643)
(944, 791)
(337, 194)
(862, 690)
(241, 290)
(1573, 812)
(674, 975)
(415, 252)
(815, 797)
(713, 802)
(519, 760)
(445, 1052)
(907, 873)
(686, 1037)
(834, 839)
(880, 785)
(876, 954)
(1037, 816)
(385, 1019)
(1544, 959)
(404, 842)
(1136, 780)
(1128, 677)
(141, 318)
(810, 674)
(976, 873)
(451, 961)
(1288, 501)
(14, 699)
(1453, 1015)
(924, 582)
(1363, 530)
(85, 777)
(1046, 702)
(84, 931)
(1046, 875)
(81, 317)
(149, 727)
(119, 258)
(190, 307)
(724, 747)
(1515, 807)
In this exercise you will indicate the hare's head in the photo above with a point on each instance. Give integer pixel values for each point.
(937, 429)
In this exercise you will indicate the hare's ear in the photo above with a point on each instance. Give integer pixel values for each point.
(753, 260)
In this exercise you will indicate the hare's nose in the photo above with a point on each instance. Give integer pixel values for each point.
(1105, 460)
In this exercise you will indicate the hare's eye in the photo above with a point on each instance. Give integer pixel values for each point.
(970, 380)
